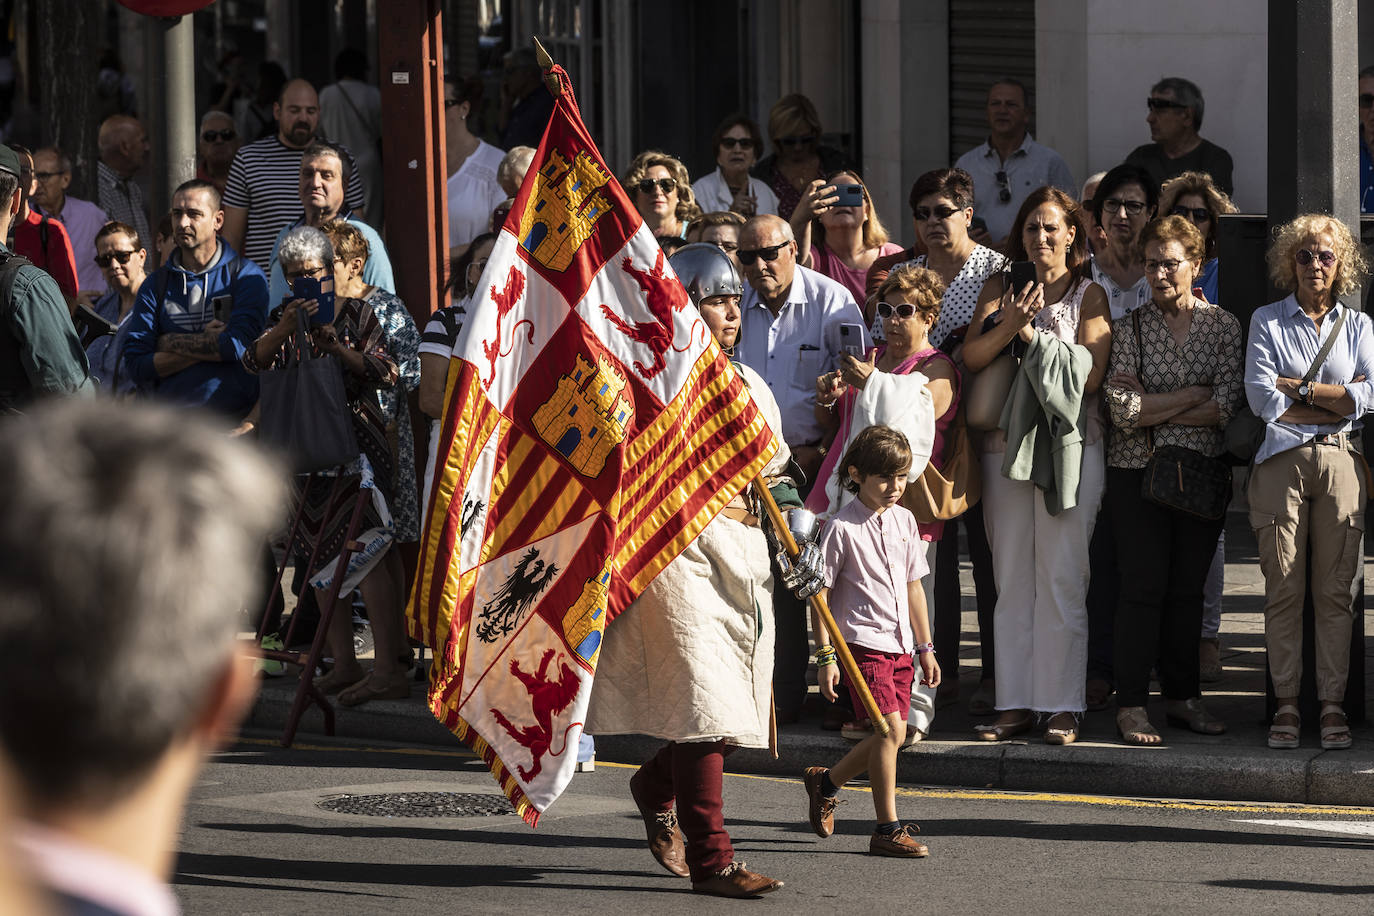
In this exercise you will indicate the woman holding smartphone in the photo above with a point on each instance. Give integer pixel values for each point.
(849, 235)
(1040, 503)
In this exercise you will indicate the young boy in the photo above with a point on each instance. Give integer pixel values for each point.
(873, 567)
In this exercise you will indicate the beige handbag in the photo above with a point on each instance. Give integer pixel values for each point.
(988, 391)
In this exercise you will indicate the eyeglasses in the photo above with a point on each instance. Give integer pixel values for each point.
(1307, 256)
(1196, 214)
(1366, 100)
(44, 176)
(736, 142)
(942, 213)
(796, 141)
(748, 256)
(313, 273)
(480, 264)
(1157, 104)
(121, 256)
(901, 310)
(1168, 266)
(1116, 205)
(216, 136)
(1003, 188)
(646, 185)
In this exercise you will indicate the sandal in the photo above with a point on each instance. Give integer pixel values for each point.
(1000, 731)
(1062, 733)
(1284, 737)
(1133, 725)
(395, 688)
(1329, 732)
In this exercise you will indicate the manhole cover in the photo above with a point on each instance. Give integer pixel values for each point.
(420, 804)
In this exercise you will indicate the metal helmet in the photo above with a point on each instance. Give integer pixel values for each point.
(705, 271)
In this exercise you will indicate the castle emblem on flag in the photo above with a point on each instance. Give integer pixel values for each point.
(587, 415)
(565, 203)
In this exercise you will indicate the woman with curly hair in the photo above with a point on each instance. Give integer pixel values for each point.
(1196, 198)
(662, 193)
(1307, 483)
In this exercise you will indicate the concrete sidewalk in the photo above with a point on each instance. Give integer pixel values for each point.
(1234, 766)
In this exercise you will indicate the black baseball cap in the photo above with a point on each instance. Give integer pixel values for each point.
(9, 161)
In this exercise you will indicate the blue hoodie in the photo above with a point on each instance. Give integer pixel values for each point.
(186, 308)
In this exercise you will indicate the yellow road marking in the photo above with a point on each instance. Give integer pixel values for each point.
(965, 794)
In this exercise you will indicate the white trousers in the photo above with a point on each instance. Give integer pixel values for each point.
(1040, 562)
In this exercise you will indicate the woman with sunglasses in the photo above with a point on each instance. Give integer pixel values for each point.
(908, 305)
(737, 143)
(798, 157)
(662, 193)
(122, 258)
(1175, 381)
(848, 238)
(1196, 198)
(1040, 498)
(1307, 485)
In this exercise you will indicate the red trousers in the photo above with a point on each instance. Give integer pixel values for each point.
(691, 775)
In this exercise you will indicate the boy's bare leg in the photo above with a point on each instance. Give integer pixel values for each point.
(876, 755)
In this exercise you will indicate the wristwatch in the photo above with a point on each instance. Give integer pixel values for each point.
(1305, 392)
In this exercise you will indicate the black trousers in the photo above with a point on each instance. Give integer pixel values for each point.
(1103, 590)
(1163, 557)
(948, 597)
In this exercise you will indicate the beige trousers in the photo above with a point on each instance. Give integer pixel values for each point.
(1310, 493)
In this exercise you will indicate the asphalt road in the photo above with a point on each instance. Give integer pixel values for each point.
(256, 841)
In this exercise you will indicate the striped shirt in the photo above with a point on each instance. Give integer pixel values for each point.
(265, 180)
(441, 333)
(122, 199)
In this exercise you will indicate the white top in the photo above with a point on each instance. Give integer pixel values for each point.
(1122, 300)
(713, 194)
(960, 300)
(473, 193)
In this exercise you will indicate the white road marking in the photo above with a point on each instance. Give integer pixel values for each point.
(1358, 828)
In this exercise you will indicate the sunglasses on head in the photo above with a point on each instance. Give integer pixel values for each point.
(1196, 214)
(748, 256)
(666, 185)
(736, 142)
(1003, 187)
(213, 136)
(1157, 104)
(924, 213)
(901, 310)
(121, 256)
(797, 141)
(1307, 256)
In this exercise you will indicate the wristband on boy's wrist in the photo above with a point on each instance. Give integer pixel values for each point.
(826, 655)
(923, 649)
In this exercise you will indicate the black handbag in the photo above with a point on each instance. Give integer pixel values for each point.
(304, 410)
(1179, 478)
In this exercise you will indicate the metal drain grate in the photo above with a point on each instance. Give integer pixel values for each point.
(420, 804)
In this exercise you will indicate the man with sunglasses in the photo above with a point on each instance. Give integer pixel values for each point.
(215, 150)
(42, 240)
(40, 352)
(81, 218)
(1367, 140)
(1175, 117)
(1009, 165)
(790, 334)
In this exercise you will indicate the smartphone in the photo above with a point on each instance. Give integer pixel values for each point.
(851, 195)
(1022, 273)
(222, 306)
(852, 340)
(322, 291)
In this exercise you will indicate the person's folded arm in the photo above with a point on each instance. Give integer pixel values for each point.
(1261, 373)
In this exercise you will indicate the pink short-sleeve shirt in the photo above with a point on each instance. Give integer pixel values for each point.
(870, 558)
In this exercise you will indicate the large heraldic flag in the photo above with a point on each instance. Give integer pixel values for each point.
(591, 429)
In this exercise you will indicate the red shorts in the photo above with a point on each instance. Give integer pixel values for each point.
(889, 677)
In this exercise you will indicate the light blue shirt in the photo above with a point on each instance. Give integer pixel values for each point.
(376, 272)
(802, 343)
(1284, 342)
(1029, 167)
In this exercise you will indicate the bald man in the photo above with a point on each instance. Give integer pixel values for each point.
(262, 195)
(124, 148)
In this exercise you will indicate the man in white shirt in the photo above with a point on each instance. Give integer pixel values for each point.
(1009, 165)
(103, 761)
(351, 114)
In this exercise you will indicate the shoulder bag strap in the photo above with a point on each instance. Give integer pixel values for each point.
(1326, 347)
